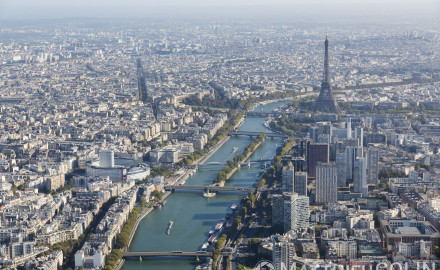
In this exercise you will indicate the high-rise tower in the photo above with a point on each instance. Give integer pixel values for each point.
(326, 183)
(326, 101)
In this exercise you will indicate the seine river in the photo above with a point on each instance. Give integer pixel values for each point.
(193, 215)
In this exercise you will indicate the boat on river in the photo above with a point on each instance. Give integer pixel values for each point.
(170, 225)
(208, 194)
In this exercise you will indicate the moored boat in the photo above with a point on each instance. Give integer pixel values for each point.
(219, 225)
(234, 207)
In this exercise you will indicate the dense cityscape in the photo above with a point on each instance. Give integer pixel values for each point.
(219, 144)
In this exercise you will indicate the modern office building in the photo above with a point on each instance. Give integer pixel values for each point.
(352, 154)
(372, 167)
(317, 152)
(359, 134)
(326, 183)
(106, 158)
(300, 185)
(288, 178)
(360, 176)
(341, 161)
(300, 212)
(283, 252)
(278, 211)
(290, 211)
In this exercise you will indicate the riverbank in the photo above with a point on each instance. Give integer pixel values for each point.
(229, 175)
(234, 164)
(202, 160)
(142, 216)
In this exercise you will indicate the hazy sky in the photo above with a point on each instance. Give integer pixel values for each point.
(20, 9)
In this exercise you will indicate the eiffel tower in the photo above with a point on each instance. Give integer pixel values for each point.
(326, 101)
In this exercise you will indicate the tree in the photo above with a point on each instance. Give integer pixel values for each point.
(157, 194)
(252, 198)
(261, 183)
(143, 202)
(122, 240)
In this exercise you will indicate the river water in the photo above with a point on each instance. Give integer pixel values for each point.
(193, 215)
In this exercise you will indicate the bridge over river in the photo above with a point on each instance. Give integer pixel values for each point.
(140, 254)
(255, 134)
(210, 188)
(245, 162)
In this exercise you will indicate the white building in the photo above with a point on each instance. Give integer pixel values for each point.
(300, 212)
(91, 256)
(419, 249)
(290, 211)
(106, 159)
(342, 249)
